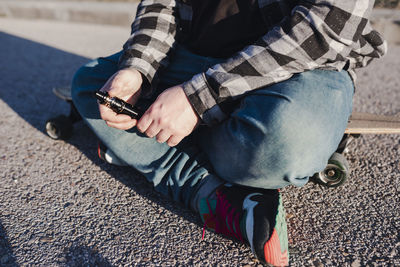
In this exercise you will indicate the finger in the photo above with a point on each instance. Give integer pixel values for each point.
(174, 140)
(153, 130)
(106, 113)
(122, 126)
(109, 115)
(163, 136)
(144, 122)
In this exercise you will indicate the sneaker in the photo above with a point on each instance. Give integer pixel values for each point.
(108, 156)
(250, 215)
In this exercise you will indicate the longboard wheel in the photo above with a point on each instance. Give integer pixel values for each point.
(335, 173)
(59, 127)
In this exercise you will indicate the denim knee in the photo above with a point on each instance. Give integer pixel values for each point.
(284, 133)
(282, 147)
(78, 82)
(93, 75)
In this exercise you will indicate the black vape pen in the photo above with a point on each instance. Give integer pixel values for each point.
(118, 105)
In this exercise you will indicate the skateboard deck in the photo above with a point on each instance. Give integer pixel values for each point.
(367, 123)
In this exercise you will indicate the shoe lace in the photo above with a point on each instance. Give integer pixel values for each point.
(226, 218)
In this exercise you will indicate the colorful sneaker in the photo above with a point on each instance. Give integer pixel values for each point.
(248, 214)
(108, 156)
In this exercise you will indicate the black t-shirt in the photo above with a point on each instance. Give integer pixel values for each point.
(222, 27)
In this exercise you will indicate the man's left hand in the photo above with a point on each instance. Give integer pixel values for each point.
(170, 118)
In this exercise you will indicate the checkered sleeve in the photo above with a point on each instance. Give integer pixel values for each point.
(326, 34)
(152, 38)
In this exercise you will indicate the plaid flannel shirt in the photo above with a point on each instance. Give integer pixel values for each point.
(303, 35)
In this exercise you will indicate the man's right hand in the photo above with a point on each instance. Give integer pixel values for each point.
(126, 85)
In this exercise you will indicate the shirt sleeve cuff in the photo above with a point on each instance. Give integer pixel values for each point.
(201, 97)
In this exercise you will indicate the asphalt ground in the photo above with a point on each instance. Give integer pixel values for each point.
(61, 206)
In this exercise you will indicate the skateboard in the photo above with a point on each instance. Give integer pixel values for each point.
(335, 173)
(337, 170)
(61, 127)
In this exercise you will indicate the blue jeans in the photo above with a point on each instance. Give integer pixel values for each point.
(275, 136)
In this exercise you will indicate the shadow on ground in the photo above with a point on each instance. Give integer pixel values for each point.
(7, 257)
(32, 70)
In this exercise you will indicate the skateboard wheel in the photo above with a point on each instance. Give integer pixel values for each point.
(59, 127)
(335, 173)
